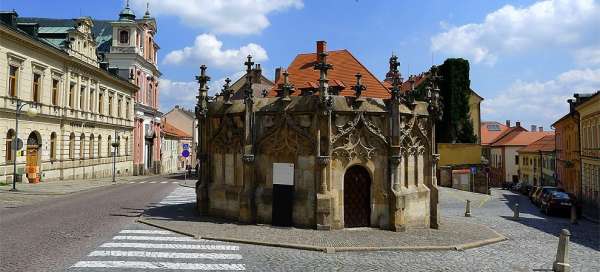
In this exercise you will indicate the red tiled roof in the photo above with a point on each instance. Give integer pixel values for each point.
(171, 130)
(303, 75)
(517, 138)
(544, 144)
(488, 136)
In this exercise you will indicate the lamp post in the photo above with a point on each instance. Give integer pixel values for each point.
(115, 144)
(31, 112)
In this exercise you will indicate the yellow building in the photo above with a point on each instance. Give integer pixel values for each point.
(536, 162)
(567, 151)
(589, 122)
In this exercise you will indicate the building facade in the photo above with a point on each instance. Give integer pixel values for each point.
(589, 133)
(319, 155)
(132, 50)
(568, 163)
(172, 146)
(82, 108)
(185, 122)
(537, 162)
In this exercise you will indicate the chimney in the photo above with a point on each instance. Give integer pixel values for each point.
(541, 129)
(321, 47)
(518, 124)
(508, 123)
(533, 128)
(278, 73)
(9, 18)
(256, 73)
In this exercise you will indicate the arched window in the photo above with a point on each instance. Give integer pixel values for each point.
(108, 146)
(99, 146)
(53, 146)
(124, 36)
(72, 146)
(10, 136)
(82, 146)
(149, 94)
(126, 146)
(91, 152)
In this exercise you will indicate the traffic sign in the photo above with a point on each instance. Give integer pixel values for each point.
(186, 146)
(473, 169)
(185, 153)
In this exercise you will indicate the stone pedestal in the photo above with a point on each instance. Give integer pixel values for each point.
(247, 196)
(324, 211)
(397, 213)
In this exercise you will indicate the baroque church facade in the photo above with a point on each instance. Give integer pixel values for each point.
(330, 147)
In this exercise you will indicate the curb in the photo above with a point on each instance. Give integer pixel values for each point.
(459, 247)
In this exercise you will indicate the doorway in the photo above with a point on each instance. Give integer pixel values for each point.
(32, 165)
(357, 197)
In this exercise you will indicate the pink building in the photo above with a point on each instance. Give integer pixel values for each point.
(133, 51)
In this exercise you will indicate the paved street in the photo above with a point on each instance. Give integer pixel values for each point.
(96, 231)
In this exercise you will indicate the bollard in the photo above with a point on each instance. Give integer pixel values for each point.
(573, 215)
(468, 209)
(561, 264)
(516, 211)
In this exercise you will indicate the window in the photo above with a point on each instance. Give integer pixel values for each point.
(71, 94)
(55, 84)
(10, 136)
(517, 159)
(81, 98)
(82, 146)
(127, 109)
(53, 146)
(119, 107)
(91, 104)
(493, 127)
(91, 146)
(108, 149)
(110, 105)
(101, 103)
(37, 84)
(126, 146)
(72, 146)
(13, 79)
(99, 146)
(124, 36)
(149, 94)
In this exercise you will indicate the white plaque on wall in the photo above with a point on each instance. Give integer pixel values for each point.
(283, 173)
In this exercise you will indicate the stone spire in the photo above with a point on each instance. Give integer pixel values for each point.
(248, 94)
(393, 76)
(358, 88)
(147, 14)
(287, 88)
(323, 67)
(127, 14)
(226, 92)
(202, 98)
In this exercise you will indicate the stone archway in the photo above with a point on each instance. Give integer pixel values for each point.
(357, 197)
(32, 166)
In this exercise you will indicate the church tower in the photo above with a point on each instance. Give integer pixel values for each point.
(134, 52)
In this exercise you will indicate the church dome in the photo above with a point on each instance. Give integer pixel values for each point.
(127, 14)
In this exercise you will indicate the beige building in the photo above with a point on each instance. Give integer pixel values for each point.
(537, 162)
(172, 146)
(185, 123)
(81, 107)
(589, 122)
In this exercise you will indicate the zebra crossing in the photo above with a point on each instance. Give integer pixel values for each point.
(152, 182)
(141, 247)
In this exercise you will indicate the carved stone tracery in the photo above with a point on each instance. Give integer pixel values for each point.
(286, 137)
(228, 138)
(352, 139)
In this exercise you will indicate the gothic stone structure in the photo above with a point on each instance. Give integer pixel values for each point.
(357, 161)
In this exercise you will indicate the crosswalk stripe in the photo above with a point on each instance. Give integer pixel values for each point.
(163, 182)
(170, 246)
(142, 182)
(157, 238)
(146, 231)
(159, 265)
(152, 181)
(131, 182)
(167, 255)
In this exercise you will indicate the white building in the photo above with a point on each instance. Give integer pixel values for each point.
(82, 106)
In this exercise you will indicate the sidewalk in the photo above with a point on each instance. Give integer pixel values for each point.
(453, 234)
(29, 193)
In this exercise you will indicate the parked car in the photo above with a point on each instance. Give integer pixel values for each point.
(507, 185)
(525, 188)
(556, 202)
(517, 186)
(542, 192)
(578, 205)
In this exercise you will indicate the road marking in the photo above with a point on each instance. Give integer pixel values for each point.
(146, 231)
(159, 265)
(163, 181)
(131, 182)
(142, 182)
(167, 255)
(157, 238)
(152, 181)
(170, 246)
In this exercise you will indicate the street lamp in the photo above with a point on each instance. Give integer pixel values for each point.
(115, 144)
(15, 144)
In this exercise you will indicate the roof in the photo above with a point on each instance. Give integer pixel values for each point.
(345, 66)
(544, 144)
(265, 84)
(520, 137)
(490, 130)
(171, 130)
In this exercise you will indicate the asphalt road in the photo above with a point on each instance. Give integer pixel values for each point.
(53, 234)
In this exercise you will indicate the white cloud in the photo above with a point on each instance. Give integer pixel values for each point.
(540, 103)
(221, 16)
(512, 29)
(207, 49)
(588, 56)
(181, 93)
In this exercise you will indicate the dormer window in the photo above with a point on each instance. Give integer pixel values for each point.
(124, 37)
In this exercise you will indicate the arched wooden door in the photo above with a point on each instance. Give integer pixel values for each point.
(357, 197)
(32, 166)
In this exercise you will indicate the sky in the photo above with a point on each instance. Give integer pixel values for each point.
(526, 57)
